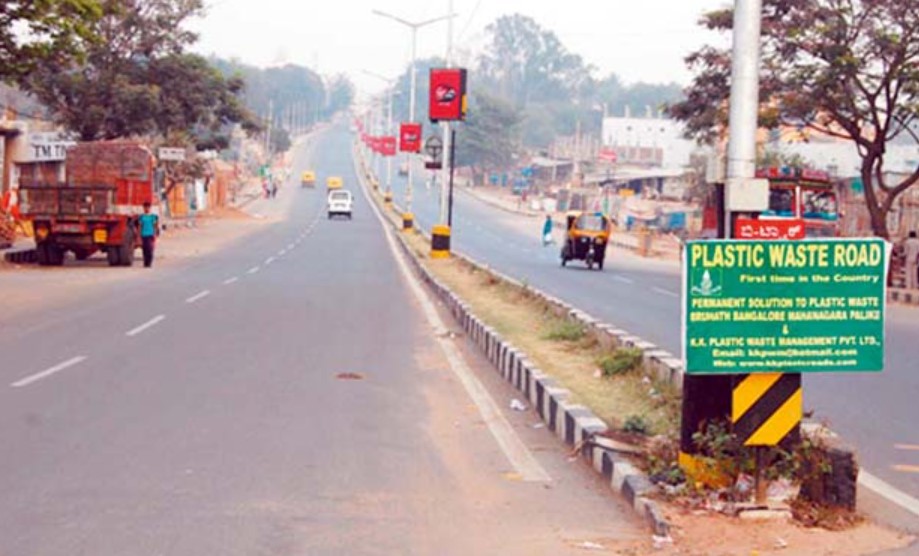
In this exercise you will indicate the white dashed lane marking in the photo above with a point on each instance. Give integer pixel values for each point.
(232, 280)
(48, 372)
(145, 326)
(198, 296)
(666, 292)
(253, 270)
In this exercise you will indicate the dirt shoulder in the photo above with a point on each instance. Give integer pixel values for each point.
(30, 287)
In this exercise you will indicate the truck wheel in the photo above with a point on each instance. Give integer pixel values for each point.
(41, 254)
(126, 250)
(113, 255)
(55, 255)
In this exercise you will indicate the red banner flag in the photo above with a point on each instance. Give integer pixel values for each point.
(410, 138)
(447, 101)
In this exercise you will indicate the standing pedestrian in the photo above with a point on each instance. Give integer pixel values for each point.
(274, 188)
(911, 252)
(149, 231)
(547, 231)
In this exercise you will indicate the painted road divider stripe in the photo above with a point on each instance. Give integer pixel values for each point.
(145, 326)
(232, 280)
(198, 296)
(48, 372)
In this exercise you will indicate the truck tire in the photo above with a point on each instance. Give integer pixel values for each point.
(113, 255)
(49, 254)
(126, 250)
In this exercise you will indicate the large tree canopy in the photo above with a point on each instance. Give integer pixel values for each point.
(137, 80)
(845, 68)
(34, 32)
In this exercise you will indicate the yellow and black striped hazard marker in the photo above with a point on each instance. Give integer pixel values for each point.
(766, 408)
(440, 242)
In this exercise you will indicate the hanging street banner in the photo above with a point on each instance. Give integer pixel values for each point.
(410, 137)
(784, 306)
(447, 95)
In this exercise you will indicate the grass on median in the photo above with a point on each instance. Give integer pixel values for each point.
(611, 383)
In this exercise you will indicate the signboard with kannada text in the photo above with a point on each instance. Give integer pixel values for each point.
(764, 228)
(782, 306)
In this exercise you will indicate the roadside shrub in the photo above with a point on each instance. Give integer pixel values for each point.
(636, 424)
(620, 362)
(566, 331)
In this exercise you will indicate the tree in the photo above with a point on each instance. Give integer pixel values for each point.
(843, 68)
(527, 63)
(114, 92)
(35, 32)
(341, 94)
(489, 140)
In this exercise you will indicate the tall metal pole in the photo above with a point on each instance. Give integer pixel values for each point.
(389, 131)
(447, 136)
(411, 118)
(744, 89)
(708, 398)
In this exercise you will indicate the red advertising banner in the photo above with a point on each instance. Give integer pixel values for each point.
(388, 145)
(374, 144)
(607, 154)
(447, 101)
(410, 138)
(785, 228)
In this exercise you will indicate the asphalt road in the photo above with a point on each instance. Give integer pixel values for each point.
(206, 410)
(877, 413)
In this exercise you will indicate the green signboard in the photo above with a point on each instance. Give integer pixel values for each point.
(784, 306)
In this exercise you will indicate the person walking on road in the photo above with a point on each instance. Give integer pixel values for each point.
(149, 231)
(911, 252)
(547, 231)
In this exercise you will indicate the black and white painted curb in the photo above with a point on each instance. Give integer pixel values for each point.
(573, 424)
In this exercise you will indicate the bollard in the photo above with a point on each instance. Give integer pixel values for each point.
(408, 221)
(440, 242)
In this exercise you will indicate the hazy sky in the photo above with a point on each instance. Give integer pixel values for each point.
(640, 40)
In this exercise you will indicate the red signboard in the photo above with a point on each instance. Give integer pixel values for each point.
(786, 228)
(607, 154)
(388, 145)
(448, 94)
(410, 138)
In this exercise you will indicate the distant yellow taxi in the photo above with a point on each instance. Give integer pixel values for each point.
(333, 182)
(308, 178)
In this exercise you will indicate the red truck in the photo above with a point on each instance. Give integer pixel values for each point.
(96, 209)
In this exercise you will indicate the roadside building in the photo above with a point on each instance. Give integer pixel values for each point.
(650, 142)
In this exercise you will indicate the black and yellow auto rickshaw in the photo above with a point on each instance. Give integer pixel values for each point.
(308, 179)
(586, 236)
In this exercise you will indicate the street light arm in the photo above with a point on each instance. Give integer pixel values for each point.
(394, 18)
(413, 24)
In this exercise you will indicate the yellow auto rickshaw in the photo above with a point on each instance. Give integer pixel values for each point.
(586, 237)
(333, 182)
(308, 179)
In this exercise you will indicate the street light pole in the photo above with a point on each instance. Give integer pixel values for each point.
(447, 136)
(389, 123)
(414, 26)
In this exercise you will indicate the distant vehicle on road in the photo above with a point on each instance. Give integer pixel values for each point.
(308, 179)
(586, 237)
(333, 182)
(96, 208)
(403, 169)
(340, 202)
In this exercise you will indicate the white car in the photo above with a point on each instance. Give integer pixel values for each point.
(339, 202)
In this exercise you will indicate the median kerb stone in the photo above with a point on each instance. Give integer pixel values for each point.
(621, 470)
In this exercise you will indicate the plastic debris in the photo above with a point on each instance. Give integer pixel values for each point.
(780, 543)
(538, 425)
(588, 545)
(661, 541)
(518, 405)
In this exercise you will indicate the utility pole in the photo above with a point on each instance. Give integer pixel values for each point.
(708, 398)
(408, 219)
(447, 136)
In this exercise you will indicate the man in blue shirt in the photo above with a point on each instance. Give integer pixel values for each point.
(149, 230)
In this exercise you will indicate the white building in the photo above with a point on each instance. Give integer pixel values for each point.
(840, 157)
(651, 141)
